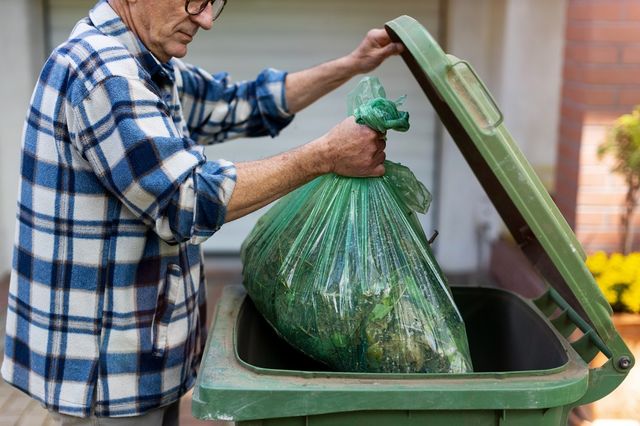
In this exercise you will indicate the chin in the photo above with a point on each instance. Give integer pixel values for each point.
(177, 51)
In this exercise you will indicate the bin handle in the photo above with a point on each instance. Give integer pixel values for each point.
(492, 124)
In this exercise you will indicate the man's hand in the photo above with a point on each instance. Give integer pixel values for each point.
(348, 149)
(355, 150)
(305, 87)
(373, 50)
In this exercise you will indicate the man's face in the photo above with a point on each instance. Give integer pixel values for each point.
(165, 28)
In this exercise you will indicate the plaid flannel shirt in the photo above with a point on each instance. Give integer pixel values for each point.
(106, 304)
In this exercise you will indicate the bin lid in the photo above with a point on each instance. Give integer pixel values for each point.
(475, 122)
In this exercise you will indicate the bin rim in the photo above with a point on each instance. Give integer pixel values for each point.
(468, 111)
(574, 364)
(228, 389)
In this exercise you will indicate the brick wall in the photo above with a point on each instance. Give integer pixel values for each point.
(601, 81)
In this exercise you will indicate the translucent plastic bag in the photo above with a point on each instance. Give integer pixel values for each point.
(341, 268)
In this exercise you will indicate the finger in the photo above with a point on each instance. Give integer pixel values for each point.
(393, 49)
(379, 170)
(379, 158)
(380, 36)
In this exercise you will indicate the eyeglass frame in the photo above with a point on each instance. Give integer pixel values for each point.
(204, 6)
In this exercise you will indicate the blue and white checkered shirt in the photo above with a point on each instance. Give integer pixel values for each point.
(106, 303)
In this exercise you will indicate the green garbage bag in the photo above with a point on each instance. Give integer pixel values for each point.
(342, 269)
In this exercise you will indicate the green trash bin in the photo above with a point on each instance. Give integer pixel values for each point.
(531, 357)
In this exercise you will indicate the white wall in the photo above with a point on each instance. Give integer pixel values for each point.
(21, 28)
(531, 78)
(515, 46)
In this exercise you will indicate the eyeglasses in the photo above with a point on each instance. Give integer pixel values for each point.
(196, 7)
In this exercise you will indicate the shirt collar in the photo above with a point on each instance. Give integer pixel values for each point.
(107, 21)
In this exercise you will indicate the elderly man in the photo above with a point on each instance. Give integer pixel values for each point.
(106, 302)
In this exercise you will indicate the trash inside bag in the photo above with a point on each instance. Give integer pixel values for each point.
(342, 269)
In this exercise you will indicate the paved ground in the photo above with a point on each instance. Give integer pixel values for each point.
(17, 409)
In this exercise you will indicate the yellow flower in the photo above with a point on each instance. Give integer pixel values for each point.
(631, 296)
(618, 277)
(597, 262)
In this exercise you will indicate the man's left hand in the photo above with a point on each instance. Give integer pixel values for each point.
(373, 50)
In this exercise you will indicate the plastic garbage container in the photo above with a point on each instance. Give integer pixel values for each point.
(531, 357)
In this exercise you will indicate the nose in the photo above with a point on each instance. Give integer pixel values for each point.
(204, 19)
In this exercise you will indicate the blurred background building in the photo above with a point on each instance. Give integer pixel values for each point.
(518, 47)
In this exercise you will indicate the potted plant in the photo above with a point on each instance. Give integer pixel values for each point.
(623, 144)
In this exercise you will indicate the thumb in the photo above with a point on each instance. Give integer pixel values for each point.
(392, 49)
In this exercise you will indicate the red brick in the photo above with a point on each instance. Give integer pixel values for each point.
(612, 75)
(572, 72)
(595, 11)
(631, 54)
(614, 221)
(604, 32)
(569, 148)
(567, 178)
(590, 238)
(591, 219)
(585, 53)
(590, 95)
(567, 208)
(565, 189)
(632, 10)
(608, 211)
(589, 161)
(570, 134)
(591, 179)
(567, 166)
(571, 112)
(569, 153)
(600, 198)
(593, 247)
(565, 200)
(629, 97)
(611, 180)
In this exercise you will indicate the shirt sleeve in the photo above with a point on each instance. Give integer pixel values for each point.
(216, 109)
(126, 134)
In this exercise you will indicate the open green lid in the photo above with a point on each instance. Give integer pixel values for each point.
(476, 124)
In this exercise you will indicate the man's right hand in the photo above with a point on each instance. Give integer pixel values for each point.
(348, 149)
(355, 150)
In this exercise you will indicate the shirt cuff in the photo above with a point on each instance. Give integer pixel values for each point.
(272, 100)
(214, 184)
